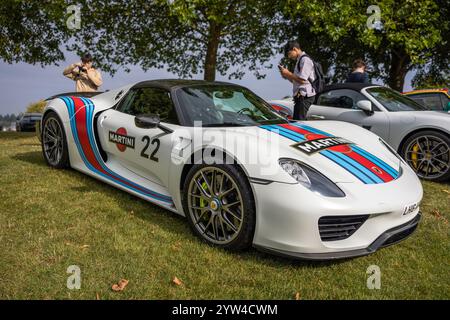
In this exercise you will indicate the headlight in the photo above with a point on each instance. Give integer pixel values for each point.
(311, 178)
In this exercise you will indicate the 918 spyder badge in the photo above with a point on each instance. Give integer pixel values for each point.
(121, 139)
(312, 146)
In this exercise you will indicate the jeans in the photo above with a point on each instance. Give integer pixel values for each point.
(301, 107)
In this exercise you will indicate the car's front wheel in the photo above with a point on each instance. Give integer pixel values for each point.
(54, 142)
(219, 206)
(428, 153)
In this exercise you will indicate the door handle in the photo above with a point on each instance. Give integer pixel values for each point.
(316, 117)
(102, 119)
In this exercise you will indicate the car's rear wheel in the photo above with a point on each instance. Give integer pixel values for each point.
(54, 142)
(428, 153)
(219, 206)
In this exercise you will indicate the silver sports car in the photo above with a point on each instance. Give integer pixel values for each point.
(420, 136)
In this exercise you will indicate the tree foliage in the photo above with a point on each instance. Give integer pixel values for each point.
(409, 35)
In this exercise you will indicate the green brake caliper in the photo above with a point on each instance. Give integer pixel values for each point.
(203, 202)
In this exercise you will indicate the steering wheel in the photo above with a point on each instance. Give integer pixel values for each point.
(243, 110)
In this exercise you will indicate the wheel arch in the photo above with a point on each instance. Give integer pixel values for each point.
(413, 132)
(191, 162)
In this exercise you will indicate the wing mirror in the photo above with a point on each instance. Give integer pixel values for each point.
(150, 121)
(365, 105)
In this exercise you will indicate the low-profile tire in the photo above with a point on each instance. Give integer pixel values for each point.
(54, 142)
(219, 206)
(428, 153)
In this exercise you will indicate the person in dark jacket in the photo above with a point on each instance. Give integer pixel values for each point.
(359, 73)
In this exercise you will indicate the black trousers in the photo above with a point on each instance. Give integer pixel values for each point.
(301, 106)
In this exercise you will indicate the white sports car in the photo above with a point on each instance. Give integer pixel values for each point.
(240, 173)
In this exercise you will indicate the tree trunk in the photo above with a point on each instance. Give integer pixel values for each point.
(398, 69)
(211, 52)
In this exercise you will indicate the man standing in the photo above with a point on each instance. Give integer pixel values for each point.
(359, 73)
(87, 78)
(301, 78)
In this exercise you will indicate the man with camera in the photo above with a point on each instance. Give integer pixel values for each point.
(87, 78)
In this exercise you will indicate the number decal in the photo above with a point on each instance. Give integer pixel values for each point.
(153, 155)
(147, 140)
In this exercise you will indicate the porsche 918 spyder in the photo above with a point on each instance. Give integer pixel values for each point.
(239, 172)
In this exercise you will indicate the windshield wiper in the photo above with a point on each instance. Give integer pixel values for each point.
(228, 124)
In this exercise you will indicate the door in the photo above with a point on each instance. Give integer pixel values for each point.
(145, 152)
(341, 105)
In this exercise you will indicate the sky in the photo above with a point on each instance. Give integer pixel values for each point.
(21, 83)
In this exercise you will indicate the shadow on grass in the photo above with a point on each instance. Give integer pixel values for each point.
(32, 157)
(170, 221)
(17, 135)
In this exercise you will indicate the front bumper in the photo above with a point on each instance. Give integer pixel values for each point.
(288, 216)
(388, 238)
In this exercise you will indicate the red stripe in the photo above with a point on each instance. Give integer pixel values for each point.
(81, 122)
(383, 175)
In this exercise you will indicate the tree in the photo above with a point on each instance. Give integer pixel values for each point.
(32, 31)
(36, 107)
(407, 35)
(187, 36)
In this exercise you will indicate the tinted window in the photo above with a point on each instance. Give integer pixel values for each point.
(149, 101)
(431, 100)
(225, 105)
(342, 98)
(394, 101)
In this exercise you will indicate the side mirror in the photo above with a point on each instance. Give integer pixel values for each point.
(365, 105)
(147, 121)
(150, 121)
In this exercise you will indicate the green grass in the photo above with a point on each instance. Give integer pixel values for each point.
(51, 219)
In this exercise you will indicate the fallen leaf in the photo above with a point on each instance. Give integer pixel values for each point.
(436, 213)
(297, 296)
(446, 191)
(84, 246)
(177, 281)
(119, 286)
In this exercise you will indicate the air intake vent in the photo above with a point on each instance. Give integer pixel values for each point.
(339, 227)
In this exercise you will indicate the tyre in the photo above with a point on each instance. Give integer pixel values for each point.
(54, 142)
(428, 153)
(219, 206)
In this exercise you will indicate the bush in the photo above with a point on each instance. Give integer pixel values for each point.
(36, 107)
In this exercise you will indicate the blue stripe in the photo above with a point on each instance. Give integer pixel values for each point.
(391, 171)
(297, 137)
(90, 108)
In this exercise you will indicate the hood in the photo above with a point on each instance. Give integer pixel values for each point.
(343, 152)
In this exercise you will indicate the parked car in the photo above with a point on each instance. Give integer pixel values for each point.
(27, 122)
(435, 99)
(419, 135)
(317, 190)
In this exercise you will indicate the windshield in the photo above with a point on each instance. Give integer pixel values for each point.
(225, 105)
(394, 101)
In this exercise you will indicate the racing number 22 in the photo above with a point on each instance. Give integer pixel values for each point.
(147, 141)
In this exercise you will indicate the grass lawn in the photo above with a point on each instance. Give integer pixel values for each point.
(51, 219)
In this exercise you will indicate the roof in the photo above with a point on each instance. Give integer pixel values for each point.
(357, 86)
(169, 84)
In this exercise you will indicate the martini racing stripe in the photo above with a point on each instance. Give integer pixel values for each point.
(363, 165)
(394, 173)
(297, 137)
(81, 112)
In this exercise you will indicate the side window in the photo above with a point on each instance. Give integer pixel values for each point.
(149, 101)
(432, 101)
(341, 98)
